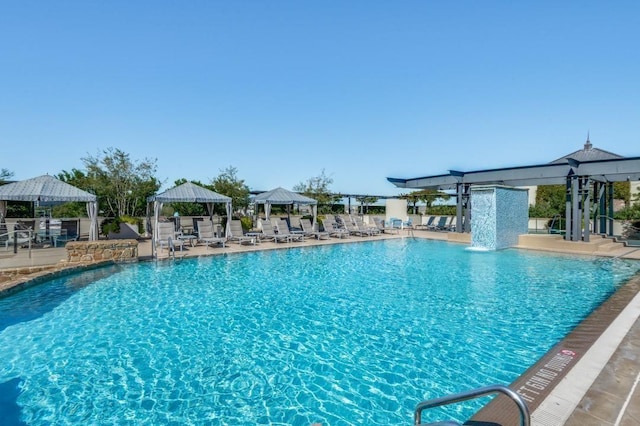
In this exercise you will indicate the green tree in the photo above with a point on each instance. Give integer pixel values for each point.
(366, 201)
(78, 179)
(189, 209)
(318, 188)
(15, 208)
(121, 184)
(5, 175)
(622, 191)
(228, 183)
(428, 196)
(550, 201)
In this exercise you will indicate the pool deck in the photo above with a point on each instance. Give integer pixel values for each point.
(590, 378)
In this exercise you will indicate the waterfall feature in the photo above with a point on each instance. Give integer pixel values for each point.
(499, 214)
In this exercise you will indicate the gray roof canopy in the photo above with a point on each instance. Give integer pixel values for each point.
(588, 153)
(44, 189)
(189, 193)
(282, 196)
(612, 170)
(49, 190)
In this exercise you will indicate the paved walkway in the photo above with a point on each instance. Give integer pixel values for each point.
(600, 389)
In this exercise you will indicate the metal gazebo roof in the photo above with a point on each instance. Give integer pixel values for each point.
(283, 196)
(189, 193)
(45, 189)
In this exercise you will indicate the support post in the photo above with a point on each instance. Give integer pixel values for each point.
(610, 212)
(467, 208)
(586, 209)
(567, 210)
(459, 209)
(576, 220)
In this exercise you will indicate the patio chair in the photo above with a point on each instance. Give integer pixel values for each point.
(270, 234)
(68, 232)
(426, 223)
(359, 223)
(19, 235)
(167, 237)
(237, 234)
(207, 235)
(439, 225)
(385, 229)
(283, 229)
(308, 228)
(353, 229)
(331, 227)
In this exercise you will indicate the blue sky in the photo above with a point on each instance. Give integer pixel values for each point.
(282, 90)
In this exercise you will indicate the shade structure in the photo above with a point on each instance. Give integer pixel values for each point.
(189, 193)
(49, 190)
(284, 196)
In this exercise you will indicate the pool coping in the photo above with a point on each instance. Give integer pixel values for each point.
(555, 385)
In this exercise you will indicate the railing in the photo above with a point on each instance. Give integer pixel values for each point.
(553, 221)
(525, 418)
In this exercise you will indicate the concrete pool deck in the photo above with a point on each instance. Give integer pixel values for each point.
(598, 363)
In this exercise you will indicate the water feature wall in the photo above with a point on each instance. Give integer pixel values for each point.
(498, 215)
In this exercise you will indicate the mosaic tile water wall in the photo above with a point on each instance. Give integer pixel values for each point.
(498, 215)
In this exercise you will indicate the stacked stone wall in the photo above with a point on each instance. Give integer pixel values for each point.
(80, 254)
(99, 251)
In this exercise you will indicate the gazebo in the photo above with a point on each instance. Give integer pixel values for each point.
(49, 190)
(284, 196)
(189, 193)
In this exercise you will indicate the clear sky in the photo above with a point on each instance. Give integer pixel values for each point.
(282, 90)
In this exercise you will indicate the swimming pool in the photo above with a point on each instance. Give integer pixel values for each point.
(341, 334)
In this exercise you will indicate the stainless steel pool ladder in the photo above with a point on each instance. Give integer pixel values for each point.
(525, 418)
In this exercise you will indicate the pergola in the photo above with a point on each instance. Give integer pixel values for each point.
(586, 182)
(286, 197)
(49, 190)
(189, 193)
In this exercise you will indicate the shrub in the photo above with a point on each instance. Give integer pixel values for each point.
(110, 224)
(246, 222)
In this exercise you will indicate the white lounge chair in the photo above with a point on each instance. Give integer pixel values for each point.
(237, 234)
(18, 236)
(331, 227)
(382, 228)
(359, 223)
(270, 234)
(308, 228)
(207, 235)
(283, 229)
(167, 237)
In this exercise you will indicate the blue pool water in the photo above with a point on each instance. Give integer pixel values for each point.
(347, 334)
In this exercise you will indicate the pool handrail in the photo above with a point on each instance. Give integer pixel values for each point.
(525, 417)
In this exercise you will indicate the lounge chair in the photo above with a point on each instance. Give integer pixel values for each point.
(440, 225)
(359, 223)
(331, 227)
(426, 223)
(207, 235)
(270, 234)
(23, 235)
(283, 229)
(308, 228)
(237, 234)
(353, 229)
(382, 228)
(167, 237)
